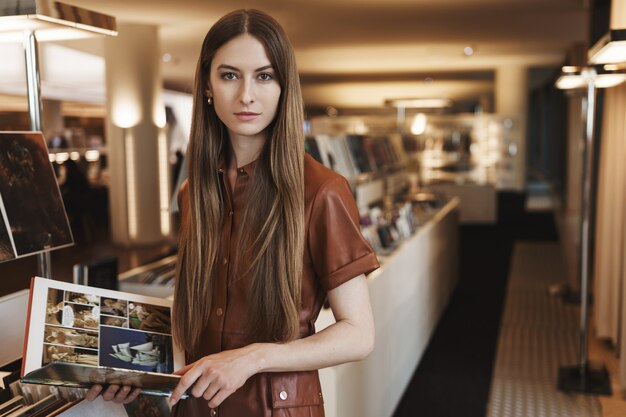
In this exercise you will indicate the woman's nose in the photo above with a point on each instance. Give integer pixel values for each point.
(247, 92)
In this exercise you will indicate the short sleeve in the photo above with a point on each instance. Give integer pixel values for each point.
(337, 248)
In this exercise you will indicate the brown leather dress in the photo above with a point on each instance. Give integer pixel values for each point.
(335, 252)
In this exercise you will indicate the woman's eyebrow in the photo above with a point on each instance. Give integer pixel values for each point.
(230, 67)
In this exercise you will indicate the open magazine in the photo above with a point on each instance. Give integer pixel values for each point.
(79, 336)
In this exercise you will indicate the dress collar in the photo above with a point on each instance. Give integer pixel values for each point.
(247, 169)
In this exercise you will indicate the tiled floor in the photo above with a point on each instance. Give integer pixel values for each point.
(538, 334)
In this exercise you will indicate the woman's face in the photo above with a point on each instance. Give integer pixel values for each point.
(244, 88)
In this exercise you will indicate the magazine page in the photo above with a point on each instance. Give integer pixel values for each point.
(97, 328)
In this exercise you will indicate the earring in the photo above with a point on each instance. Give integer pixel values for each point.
(209, 100)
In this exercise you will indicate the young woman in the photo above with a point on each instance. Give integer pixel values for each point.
(268, 234)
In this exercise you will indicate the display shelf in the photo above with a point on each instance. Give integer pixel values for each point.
(408, 293)
(155, 279)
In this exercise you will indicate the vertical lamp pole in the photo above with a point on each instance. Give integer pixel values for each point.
(582, 378)
(33, 84)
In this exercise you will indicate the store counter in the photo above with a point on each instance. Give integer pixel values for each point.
(409, 292)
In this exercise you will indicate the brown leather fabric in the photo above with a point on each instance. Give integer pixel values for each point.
(335, 252)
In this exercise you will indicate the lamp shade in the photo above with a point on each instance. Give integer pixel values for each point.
(610, 49)
(579, 77)
(53, 20)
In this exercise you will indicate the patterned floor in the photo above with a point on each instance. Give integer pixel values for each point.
(538, 333)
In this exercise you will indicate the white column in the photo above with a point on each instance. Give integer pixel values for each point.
(511, 100)
(138, 190)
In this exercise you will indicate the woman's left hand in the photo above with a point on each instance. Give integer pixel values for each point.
(215, 377)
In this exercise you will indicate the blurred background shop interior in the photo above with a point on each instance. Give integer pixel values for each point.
(467, 130)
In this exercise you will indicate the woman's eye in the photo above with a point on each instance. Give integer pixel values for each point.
(265, 76)
(229, 76)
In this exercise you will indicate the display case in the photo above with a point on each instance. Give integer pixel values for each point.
(470, 156)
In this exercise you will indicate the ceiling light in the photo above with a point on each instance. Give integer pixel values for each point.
(579, 77)
(570, 82)
(420, 103)
(610, 49)
(419, 124)
(468, 51)
(167, 57)
(45, 17)
(609, 80)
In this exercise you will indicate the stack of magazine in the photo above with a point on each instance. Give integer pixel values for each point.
(19, 399)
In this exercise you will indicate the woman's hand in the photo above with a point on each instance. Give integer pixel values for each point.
(115, 393)
(215, 377)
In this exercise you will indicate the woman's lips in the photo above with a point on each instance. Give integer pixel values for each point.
(246, 116)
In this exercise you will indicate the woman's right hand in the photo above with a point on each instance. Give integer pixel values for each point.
(115, 393)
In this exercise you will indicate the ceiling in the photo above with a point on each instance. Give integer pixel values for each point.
(356, 53)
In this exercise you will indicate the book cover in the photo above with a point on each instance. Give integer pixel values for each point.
(79, 336)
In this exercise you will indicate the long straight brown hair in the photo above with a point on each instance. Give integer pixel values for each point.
(274, 224)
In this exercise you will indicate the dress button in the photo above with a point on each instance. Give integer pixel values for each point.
(219, 312)
(224, 261)
(241, 171)
(230, 213)
(213, 412)
(283, 395)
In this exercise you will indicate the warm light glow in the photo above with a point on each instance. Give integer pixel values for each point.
(420, 103)
(131, 191)
(52, 157)
(74, 156)
(609, 80)
(360, 128)
(419, 124)
(612, 53)
(62, 157)
(92, 155)
(126, 114)
(164, 189)
(568, 82)
(159, 117)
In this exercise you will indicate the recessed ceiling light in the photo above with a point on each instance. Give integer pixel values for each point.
(428, 80)
(167, 57)
(468, 51)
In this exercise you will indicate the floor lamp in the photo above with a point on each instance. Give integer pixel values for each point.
(582, 377)
(46, 20)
